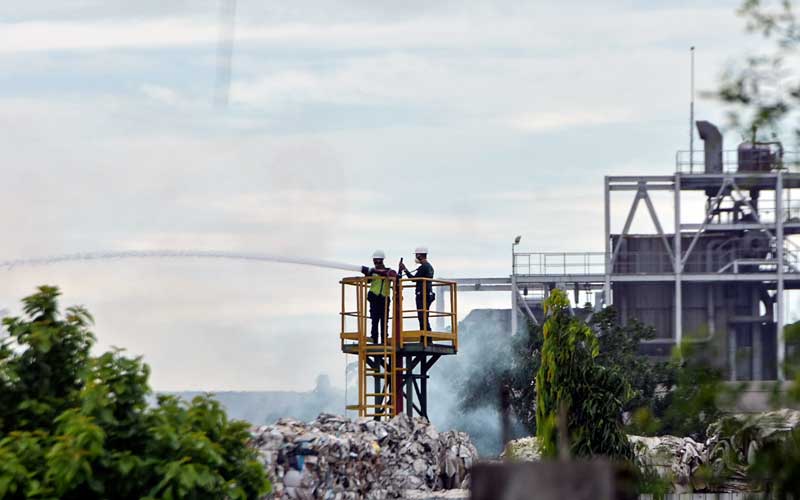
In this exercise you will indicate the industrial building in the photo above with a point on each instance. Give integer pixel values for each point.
(719, 279)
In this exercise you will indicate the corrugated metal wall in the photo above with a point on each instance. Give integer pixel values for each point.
(727, 316)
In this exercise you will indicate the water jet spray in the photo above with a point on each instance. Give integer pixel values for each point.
(169, 254)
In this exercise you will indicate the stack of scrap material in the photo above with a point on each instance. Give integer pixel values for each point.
(734, 441)
(719, 464)
(337, 458)
(674, 458)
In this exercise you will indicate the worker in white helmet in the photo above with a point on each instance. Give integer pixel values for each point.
(424, 288)
(379, 294)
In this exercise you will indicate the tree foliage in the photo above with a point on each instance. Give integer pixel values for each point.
(573, 387)
(619, 350)
(775, 466)
(763, 90)
(516, 363)
(693, 401)
(764, 94)
(75, 426)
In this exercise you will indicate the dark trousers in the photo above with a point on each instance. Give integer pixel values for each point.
(423, 316)
(377, 313)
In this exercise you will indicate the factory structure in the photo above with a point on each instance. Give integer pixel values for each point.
(718, 279)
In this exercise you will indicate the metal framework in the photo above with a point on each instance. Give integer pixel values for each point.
(676, 260)
(727, 268)
(393, 373)
(726, 185)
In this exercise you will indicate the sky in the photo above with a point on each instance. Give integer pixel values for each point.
(350, 126)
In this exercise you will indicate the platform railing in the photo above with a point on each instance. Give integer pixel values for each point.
(402, 321)
(354, 315)
(693, 162)
(767, 210)
(719, 261)
(425, 314)
(559, 263)
(377, 361)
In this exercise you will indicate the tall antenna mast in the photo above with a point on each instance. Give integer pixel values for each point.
(691, 116)
(227, 25)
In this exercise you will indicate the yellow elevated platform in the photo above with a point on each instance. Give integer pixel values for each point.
(393, 372)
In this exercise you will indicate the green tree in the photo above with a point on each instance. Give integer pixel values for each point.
(776, 465)
(574, 392)
(619, 350)
(516, 363)
(763, 94)
(77, 426)
(693, 401)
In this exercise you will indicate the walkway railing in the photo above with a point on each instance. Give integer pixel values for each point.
(693, 162)
(559, 263)
(719, 261)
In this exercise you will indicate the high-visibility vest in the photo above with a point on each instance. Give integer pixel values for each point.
(380, 286)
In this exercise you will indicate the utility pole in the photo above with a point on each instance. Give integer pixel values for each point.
(514, 286)
(691, 115)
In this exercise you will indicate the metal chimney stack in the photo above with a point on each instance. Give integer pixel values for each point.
(712, 147)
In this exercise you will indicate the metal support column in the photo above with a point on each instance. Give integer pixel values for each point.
(440, 302)
(423, 382)
(781, 347)
(513, 290)
(756, 335)
(409, 379)
(607, 285)
(733, 349)
(678, 264)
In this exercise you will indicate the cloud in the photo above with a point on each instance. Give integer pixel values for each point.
(452, 124)
(31, 36)
(355, 30)
(159, 93)
(547, 121)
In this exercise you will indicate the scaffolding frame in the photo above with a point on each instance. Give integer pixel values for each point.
(398, 365)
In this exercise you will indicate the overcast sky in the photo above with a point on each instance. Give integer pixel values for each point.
(351, 125)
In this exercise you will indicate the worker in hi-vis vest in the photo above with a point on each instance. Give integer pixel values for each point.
(423, 289)
(379, 292)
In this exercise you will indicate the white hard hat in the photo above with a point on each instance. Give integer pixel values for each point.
(378, 254)
(421, 250)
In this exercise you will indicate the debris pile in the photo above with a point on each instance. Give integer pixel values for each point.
(734, 440)
(337, 458)
(674, 458)
(730, 448)
(525, 449)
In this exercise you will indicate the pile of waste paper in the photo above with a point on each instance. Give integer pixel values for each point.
(673, 458)
(337, 458)
(734, 440)
(731, 446)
